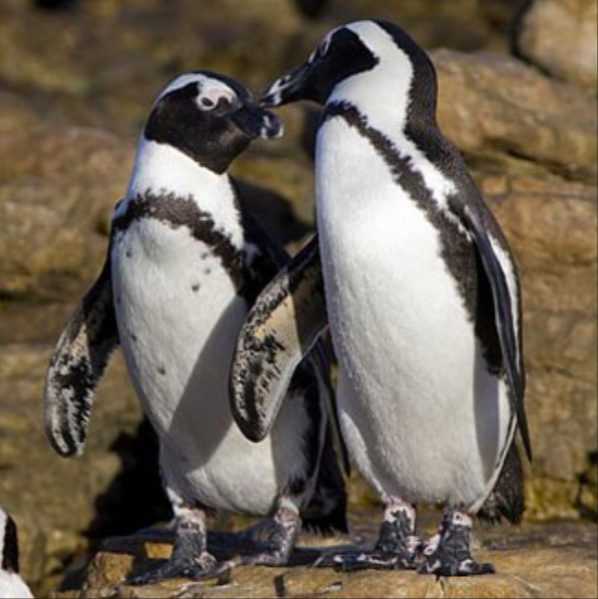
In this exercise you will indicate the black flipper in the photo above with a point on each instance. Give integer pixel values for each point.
(496, 261)
(285, 322)
(78, 363)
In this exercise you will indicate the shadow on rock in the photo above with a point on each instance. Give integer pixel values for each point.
(135, 499)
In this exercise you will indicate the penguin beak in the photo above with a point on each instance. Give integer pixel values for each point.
(254, 121)
(288, 88)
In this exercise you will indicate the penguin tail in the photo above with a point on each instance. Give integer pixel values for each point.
(507, 499)
(328, 524)
(326, 512)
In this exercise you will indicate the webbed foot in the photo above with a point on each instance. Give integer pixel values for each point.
(190, 558)
(397, 547)
(277, 536)
(448, 552)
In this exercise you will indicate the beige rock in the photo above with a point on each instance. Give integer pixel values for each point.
(465, 25)
(112, 56)
(58, 184)
(554, 560)
(560, 37)
(494, 104)
(55, 195)
(54, 500)
(551, 225)
(16, 116)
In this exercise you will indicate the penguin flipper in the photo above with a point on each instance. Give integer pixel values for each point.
(501, 275)
(77, 364)
(283, 325)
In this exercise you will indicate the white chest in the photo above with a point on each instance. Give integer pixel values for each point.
(12, 585)
(178, 316)
(412, 372)
(176, 308)
(382, 256)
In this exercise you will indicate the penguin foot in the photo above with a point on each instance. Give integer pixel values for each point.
(190, 558)
(397, 547)
(200, 567)
(277, 535)
(448, 552)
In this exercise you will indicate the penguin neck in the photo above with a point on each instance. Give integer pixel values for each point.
(161, 169)
(381, 97)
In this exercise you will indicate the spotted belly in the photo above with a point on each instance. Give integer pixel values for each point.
(179, 316)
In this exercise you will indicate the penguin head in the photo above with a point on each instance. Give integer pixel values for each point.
(366, 61)
(209, 117)
(9, 549)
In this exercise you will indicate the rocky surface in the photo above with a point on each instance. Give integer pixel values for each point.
(560, 37)
(55, 204)
(551, 225)
(557, 560)
(70, 109)
(507, 109)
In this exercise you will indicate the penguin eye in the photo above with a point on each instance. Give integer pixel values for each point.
(215, 99)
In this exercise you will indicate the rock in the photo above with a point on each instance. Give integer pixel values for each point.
(113, 56)
(71, 107)
(16, 115)
(559, 36)
(551, 225)
(54, 203)
(60, 504)
(551, 560)
(460, 24)
(492, 104)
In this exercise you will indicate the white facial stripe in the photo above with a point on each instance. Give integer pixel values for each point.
(382, 95)
(180, 82)
(325, 43)
(211, 92)
(208, 88)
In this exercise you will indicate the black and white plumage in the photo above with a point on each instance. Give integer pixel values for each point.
(11, 583)
(184, 265)
(421, 292)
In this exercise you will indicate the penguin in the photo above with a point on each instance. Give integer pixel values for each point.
(184, 265)
(416, 282)
(11, 584)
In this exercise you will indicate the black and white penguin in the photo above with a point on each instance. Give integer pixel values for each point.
(11, 584)
(417, 283)
(183, 267)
